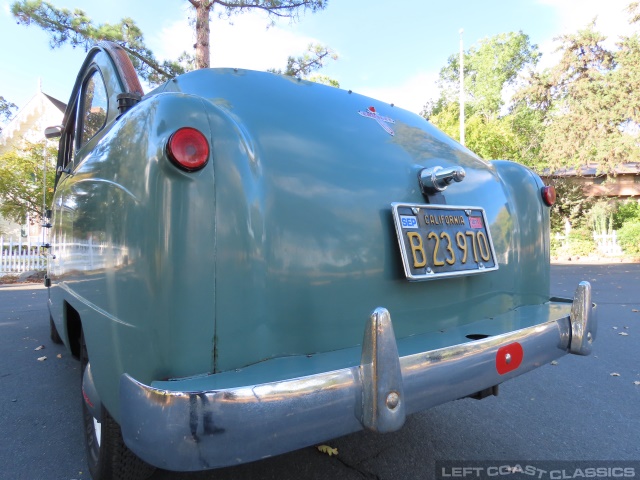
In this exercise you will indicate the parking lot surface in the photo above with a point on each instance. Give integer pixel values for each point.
(582, 408)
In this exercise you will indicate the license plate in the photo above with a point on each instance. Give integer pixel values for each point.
(439, 241)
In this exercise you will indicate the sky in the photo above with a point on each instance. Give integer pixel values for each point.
(389, 50)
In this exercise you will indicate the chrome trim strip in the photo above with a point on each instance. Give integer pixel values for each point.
(63, 285)
(187, 431)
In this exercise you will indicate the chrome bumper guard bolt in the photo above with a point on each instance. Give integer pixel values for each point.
(392, 400)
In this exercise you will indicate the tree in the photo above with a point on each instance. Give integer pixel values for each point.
(274, 8)
(21, 174)
(77, 29)
(6, 110)
(572, 205)
(311, 61)
(626, 77)
(589, 102)
(491, 69)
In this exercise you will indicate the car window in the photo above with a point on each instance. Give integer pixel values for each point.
(94, 107)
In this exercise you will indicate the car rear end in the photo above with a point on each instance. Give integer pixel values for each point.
(357, 266)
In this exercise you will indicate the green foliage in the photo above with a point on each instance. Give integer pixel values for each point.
(628, 211)
(629, 237)
(78, 30)
(527, 125)
(627, 221)
(600, 216)
(490, 68)
(583, 110)
(581, 243)
(275, 8)
(75, 28)
(21, 174)
(589, 102)
(312, 60)
(556, 245)
(490, 138)
(6, 110)
(324, 80)
(571, 204)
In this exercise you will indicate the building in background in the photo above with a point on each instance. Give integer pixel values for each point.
(623, 184)
(40, 112)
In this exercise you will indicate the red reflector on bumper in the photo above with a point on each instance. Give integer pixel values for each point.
(509, 358)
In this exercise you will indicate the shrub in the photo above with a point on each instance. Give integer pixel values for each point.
(601, 216)
(629, 238)
(628, 211)
(556, 246)
(581, 243)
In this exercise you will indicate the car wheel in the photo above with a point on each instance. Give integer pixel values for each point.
(53, 331)
(108, 456)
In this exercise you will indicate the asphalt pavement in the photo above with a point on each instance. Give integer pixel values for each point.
(582, 408)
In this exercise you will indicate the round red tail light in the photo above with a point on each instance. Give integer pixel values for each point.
(188, 149)
(549, 195)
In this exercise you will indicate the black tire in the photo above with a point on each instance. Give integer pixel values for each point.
(53, 331)
(107, 455)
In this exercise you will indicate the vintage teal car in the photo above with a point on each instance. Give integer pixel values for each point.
(247, 264)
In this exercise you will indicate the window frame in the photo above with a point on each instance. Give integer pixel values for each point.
(81, 104)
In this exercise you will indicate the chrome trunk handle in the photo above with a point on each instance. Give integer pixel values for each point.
(437, 179)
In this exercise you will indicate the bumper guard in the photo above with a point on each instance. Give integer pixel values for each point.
(186, 431)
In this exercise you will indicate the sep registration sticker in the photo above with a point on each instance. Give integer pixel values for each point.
(408, 221)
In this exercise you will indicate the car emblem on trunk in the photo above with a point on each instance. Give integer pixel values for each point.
(371, 113)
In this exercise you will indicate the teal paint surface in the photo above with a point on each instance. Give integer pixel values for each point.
(283, 244)
(306, 246)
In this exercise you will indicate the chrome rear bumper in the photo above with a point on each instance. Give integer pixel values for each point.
(187, 430)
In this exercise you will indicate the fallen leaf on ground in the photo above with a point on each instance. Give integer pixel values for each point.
(554, 363)
(624, 334)
(59, 355)
(41, 347)
(614, 374)
(615, 328)
(327, 449)
(42, 359)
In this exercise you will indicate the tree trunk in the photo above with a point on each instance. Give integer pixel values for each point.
(203, 52)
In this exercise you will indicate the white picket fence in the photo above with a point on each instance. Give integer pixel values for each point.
(606, 244)
(88, 255)
(21, 256)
